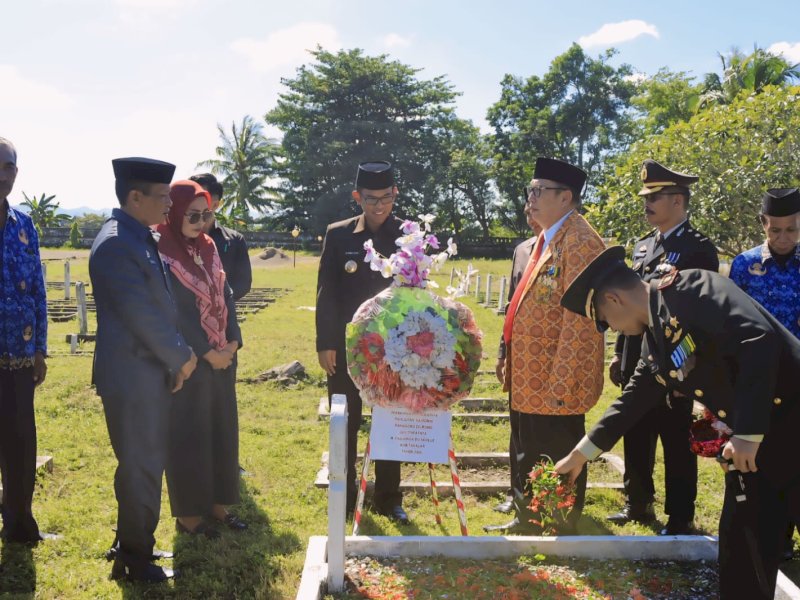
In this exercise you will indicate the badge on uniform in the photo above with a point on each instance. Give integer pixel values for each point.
(682, 357)
(672, 257)
(350, 266)
(757, 269)
(23, 237)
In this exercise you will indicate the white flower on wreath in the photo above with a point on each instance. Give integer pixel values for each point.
(415, 370)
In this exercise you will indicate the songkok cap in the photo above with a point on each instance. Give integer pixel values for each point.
(780, 202)
(561, 172)
(144, 169)
(375, 175)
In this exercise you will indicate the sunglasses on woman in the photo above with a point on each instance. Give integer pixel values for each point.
(194, 217)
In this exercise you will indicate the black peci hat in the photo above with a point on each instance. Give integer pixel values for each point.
(780, 202)
(375, 175)
(560, 171)
(143, 169)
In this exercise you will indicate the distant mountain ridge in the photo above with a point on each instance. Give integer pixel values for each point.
(74, 212)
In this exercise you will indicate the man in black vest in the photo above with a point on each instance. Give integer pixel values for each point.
(344, 282)
(673, 243)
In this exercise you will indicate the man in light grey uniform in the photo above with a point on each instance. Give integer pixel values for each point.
(140, 358)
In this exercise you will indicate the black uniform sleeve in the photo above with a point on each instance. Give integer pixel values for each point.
(641, 394)
(501, 350)
(705, 257)
(233, 332)
(327, 313)
(242, 277)
(749, 345)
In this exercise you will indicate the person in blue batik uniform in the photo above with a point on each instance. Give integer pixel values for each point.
(23, 348)
(770, 273)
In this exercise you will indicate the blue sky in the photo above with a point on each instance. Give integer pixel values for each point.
(84, 81)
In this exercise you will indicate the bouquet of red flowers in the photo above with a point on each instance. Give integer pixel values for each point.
(551, 498)
(708, 435)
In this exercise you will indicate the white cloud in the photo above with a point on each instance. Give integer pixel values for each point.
(22, 93)
(790, 52)
(617, 33)
(395, 40)
(287, 47)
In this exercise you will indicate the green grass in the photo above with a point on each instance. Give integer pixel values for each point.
(281, 444)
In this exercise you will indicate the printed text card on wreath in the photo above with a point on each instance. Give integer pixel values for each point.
(399, 433)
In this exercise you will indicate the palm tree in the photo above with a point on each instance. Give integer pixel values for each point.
(44, 211)
(245, 162)
(751, 73)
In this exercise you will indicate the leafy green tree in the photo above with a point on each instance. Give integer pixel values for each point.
(345, 108)
(74, 235)
(747, 73)
(466, 198)
(44, 211)
(90, 221)
(738, 151)
(246, 161)
(578, 112)
(665, 98)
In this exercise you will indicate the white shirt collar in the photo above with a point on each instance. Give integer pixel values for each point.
(553, 230)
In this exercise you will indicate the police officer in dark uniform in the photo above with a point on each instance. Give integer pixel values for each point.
(673, 243)
(140, 357)
(344, 282)
(707, 339)
(231, 244)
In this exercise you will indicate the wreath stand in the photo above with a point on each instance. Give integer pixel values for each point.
(451, 459)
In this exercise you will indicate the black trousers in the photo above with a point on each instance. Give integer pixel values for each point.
(387, 472)
(17, 454)
(138, 426)
(512, 455)
(752, 535)
(671, 423)
(203, 456)
(537, 437)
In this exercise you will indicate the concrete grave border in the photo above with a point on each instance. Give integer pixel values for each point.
(325, 559)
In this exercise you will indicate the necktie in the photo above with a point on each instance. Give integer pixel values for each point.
(512, 306)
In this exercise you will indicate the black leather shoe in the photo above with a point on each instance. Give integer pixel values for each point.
(111, 554)
(513, 527)
(146, 573)
(32, 541)
(231, 521)
(639, 513)
(396, 514)
(678, 527)
(202, 529)
(506, 507)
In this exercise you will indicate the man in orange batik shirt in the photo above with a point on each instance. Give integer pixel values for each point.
(554, 359)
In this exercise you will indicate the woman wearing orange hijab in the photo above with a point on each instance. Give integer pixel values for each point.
(203, 459)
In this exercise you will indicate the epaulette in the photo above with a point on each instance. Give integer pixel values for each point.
(650, 233)
(668, 279)
(693, 233)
